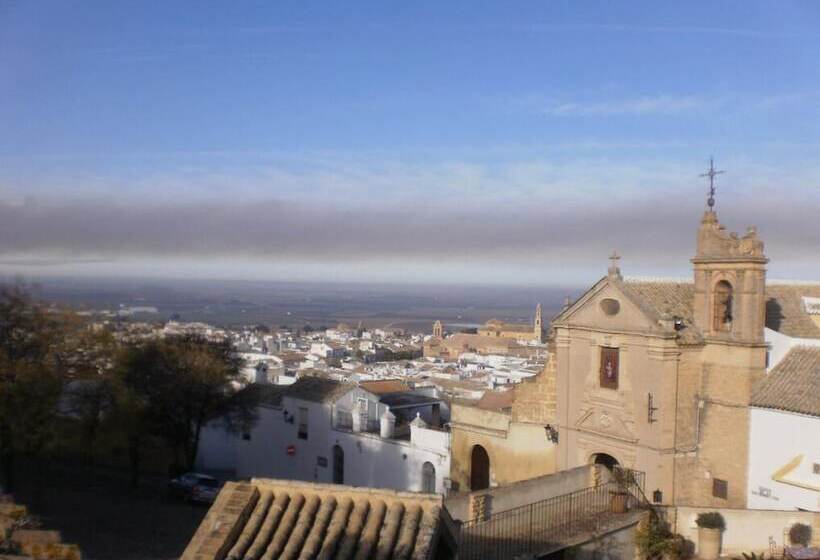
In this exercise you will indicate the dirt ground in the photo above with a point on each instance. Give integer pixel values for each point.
(96, 510)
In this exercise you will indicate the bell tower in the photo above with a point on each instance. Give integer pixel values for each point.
(730, 283)
(729, 305)
(438, 329)
(730, 279)
(538, 326)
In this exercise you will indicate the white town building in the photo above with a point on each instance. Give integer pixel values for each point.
(328, 431)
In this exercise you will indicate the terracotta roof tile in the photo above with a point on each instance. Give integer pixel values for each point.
(785, 312)
(289, 519)
(383, 386)
(496, 400)
(317, 389)
(672, 298)
(793, 384)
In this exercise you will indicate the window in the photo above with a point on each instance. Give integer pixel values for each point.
(428, 478)
(610, 306)
(720, 488)
(303, 423)
(609, 368)
(338, 465)
(722, 312)
(816, 468)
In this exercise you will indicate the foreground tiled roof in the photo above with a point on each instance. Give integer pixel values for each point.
(785, 311)
(793, 384)
(289, 519)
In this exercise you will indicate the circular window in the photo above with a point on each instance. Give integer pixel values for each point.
(610, 306)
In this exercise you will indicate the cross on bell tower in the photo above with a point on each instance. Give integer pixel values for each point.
(614, 270)
(711, 173)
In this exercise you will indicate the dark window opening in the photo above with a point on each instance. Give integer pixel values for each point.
(303, 423)
(338, 465)
(720, 488)
(723, 302)
(428, 478)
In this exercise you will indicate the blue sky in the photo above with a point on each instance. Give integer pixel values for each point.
(461, 141)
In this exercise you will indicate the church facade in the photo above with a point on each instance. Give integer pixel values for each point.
(653, 375)
(500, 329)
(658, 375)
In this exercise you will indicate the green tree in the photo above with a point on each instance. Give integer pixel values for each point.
(178, 385)
(31, 357)
(90, 395)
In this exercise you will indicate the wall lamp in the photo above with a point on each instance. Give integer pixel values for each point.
(552, 433)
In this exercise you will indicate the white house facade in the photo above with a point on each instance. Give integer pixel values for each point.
(326, 431)
(784, 442)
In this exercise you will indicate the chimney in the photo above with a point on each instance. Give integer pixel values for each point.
(436, 415)
(387, 424)
(359, 420)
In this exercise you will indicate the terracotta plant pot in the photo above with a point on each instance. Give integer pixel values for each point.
(619, 502)
(709, 543)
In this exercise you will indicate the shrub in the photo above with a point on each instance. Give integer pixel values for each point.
(711, 520)
(655, 540)
(800, 534)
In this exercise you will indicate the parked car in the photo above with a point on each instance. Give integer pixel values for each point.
(195, 487)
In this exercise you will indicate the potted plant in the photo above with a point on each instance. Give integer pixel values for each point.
(710, 530)
(619, 498)
(800, 534)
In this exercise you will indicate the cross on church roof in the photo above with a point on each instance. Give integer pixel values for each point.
(614, 270)
(711, 173)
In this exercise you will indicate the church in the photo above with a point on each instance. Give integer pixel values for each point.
(651, 374)
(515, 331)
(494, 337)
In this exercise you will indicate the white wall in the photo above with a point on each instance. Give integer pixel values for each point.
(217, 448)
(746, 530)
(776, 438)
(369, 460)
(780, 344)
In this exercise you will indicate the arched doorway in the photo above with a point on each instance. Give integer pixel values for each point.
(479, 468)
(338, 465)
(604, 459)
(428, 478)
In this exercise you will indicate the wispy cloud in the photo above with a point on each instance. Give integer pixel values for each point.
(667, 104)
(644, 105)
(682, 29)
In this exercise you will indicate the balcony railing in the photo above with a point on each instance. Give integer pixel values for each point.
(548, 525)
(343, 420)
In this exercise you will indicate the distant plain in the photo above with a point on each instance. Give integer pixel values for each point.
(296, 304)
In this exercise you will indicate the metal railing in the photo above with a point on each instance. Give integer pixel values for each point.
(549, 525)
(343, 419)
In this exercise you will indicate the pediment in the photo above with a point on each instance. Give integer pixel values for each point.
(595, 310)
(607, 423)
